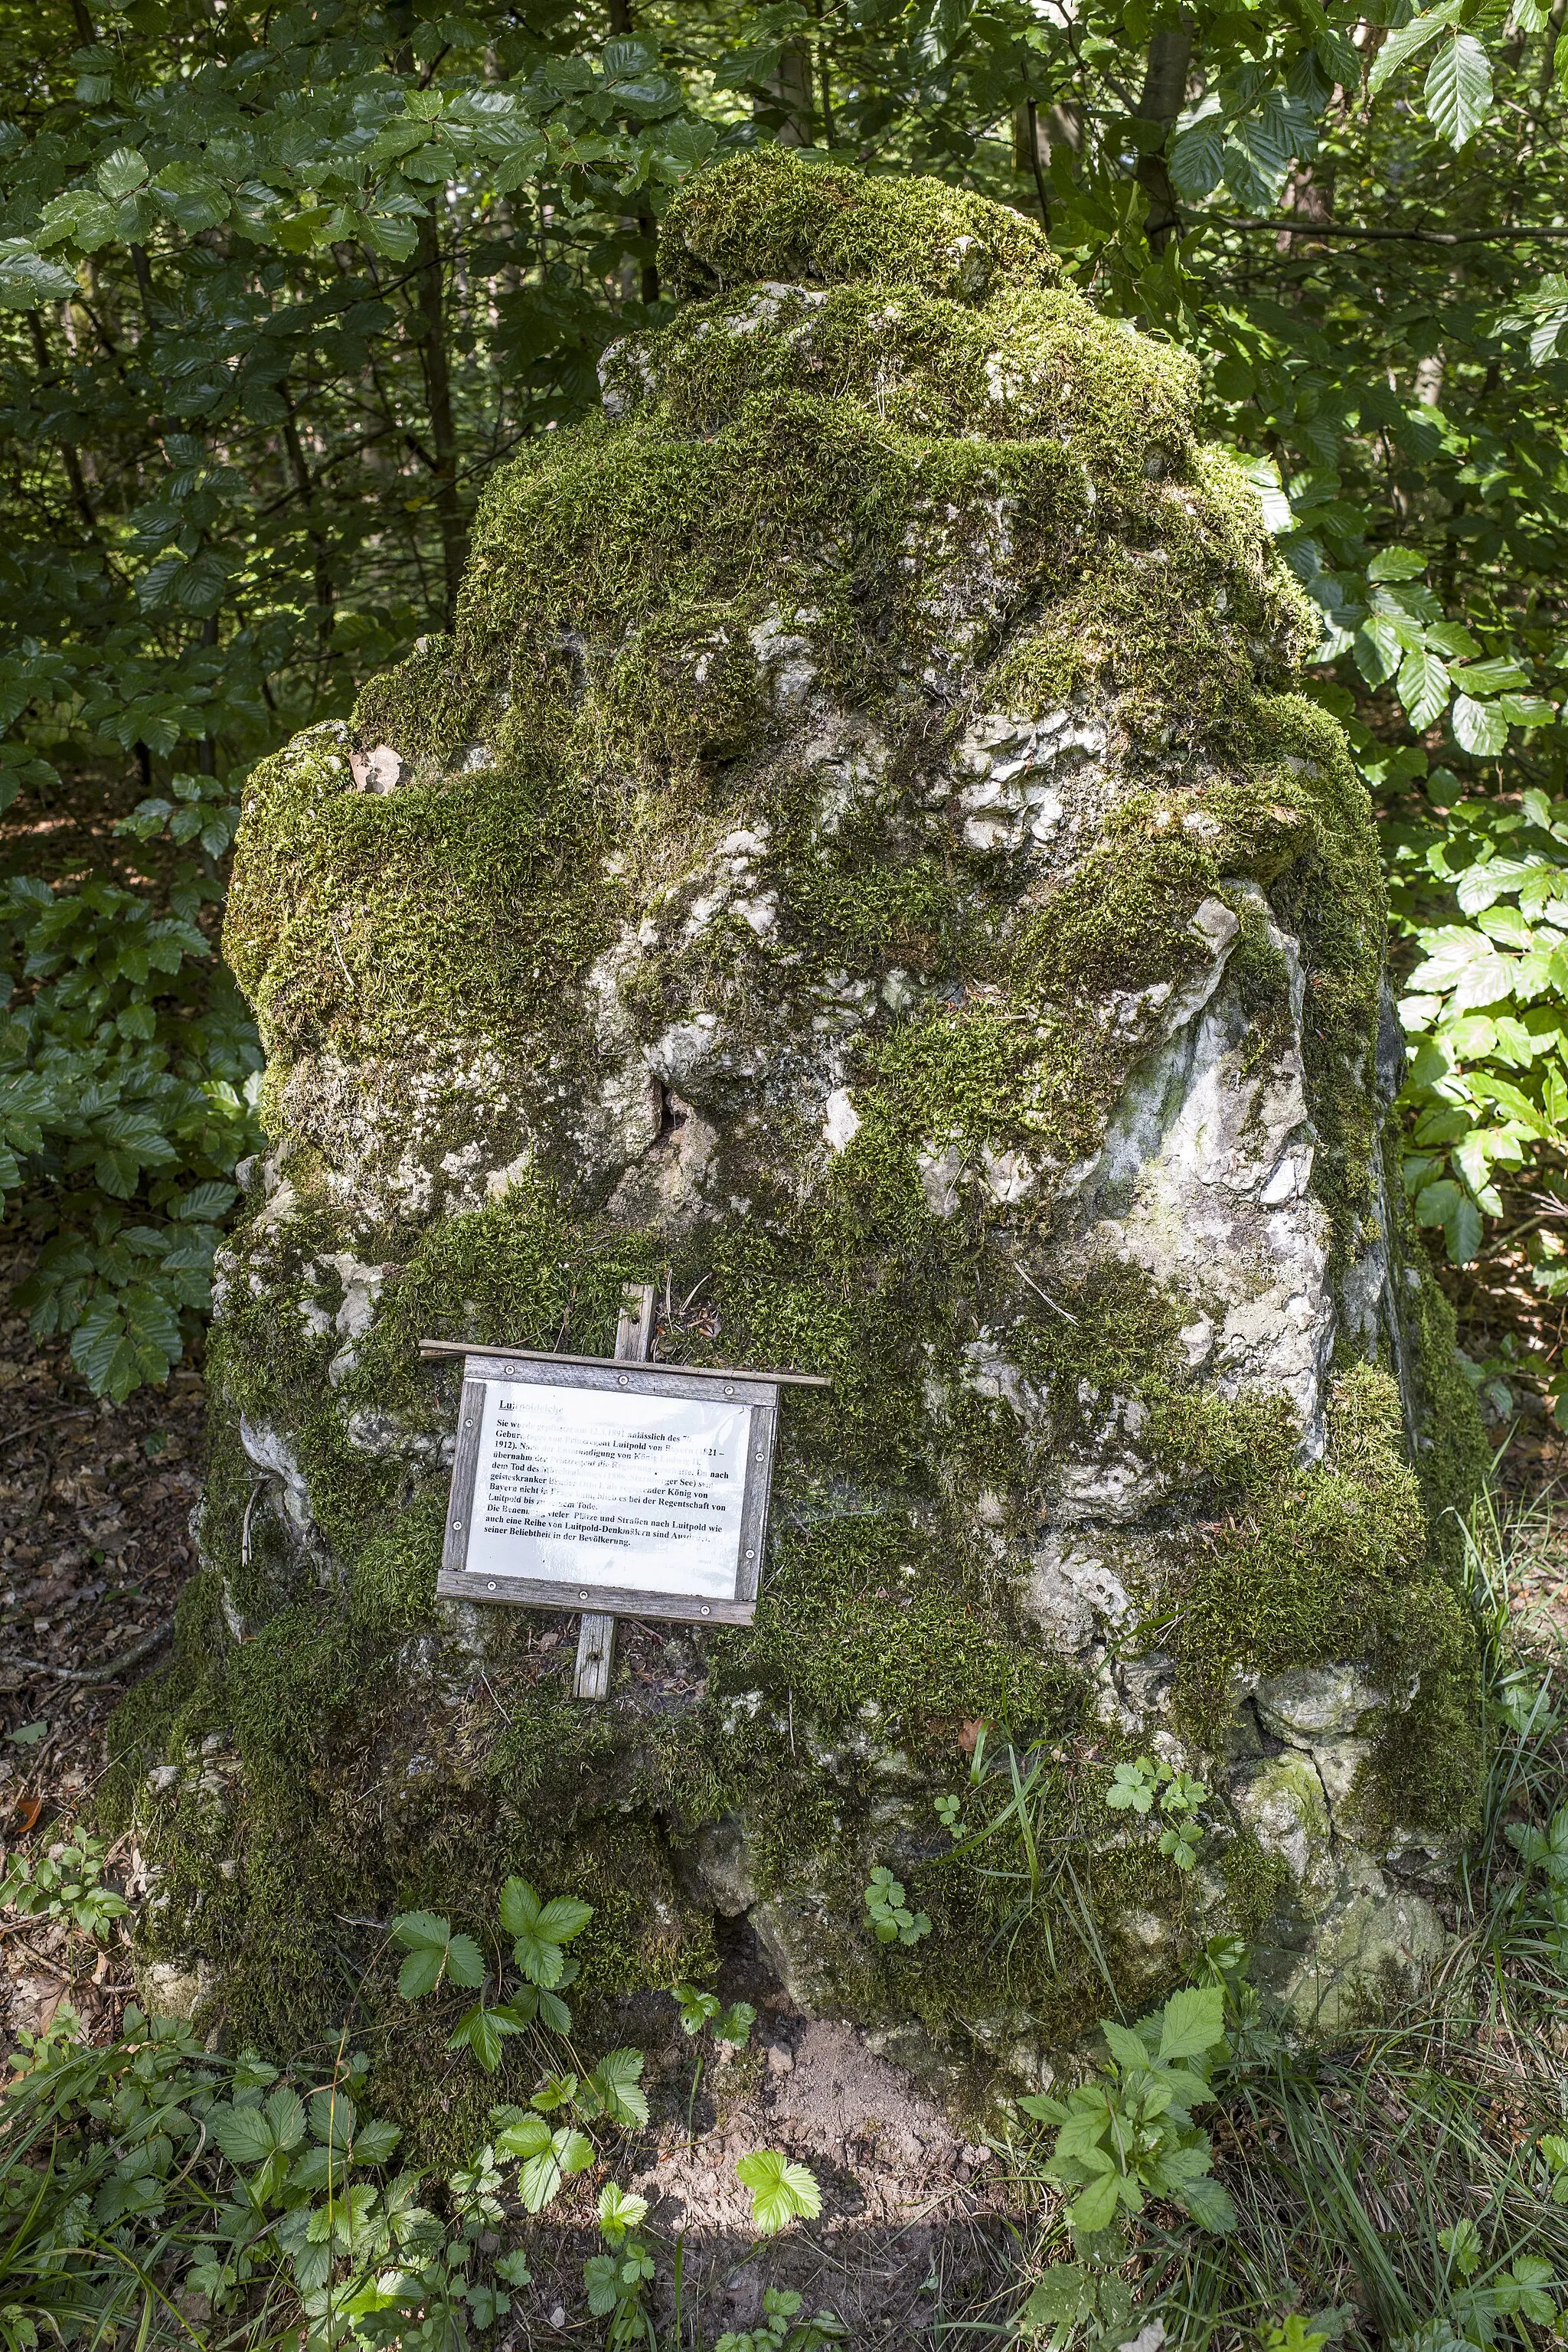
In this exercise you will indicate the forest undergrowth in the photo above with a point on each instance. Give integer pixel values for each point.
(1407, 2189)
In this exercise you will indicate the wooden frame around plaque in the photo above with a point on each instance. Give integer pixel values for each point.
(757, 1393)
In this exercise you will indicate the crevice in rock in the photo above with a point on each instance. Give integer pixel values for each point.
(672, 1117)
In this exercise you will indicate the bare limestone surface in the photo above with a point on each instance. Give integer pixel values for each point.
(862, 862)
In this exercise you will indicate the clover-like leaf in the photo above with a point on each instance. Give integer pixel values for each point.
(781, 2192)
(615, 2087)
(434, 1952)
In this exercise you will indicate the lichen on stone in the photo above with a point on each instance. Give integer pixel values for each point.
(861, 862)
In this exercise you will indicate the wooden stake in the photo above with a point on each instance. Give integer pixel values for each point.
(596, 1633)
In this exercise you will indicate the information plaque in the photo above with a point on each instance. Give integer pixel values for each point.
(623, 1488)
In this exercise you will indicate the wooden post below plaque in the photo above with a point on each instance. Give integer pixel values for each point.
(596, 1633)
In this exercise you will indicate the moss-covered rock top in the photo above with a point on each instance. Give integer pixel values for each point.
(769, 216)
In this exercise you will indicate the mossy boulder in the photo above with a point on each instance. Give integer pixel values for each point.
(861, 863)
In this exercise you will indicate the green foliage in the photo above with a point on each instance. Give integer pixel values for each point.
(540, 1931)
(1487, 1014)
(434, 1952)
(540, 1934)
(1297, 2333)
(217, 243)
(1554, 2156)
(127, 1086)
(617, 2282)
(1129, 2134)
(1541, 1895)
(699, 2009)
(781, 2330)
(547, 2138)
(781, 2192)
(892, 1921)
(1084, 2301)
(1136, 1787)
(277, 295)
(152, 2169)
(1482, 2294)
(63, 1884)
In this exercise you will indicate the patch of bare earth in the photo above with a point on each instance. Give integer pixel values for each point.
(916, 2228)
(95, 1504)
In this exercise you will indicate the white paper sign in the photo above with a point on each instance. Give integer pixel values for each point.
(593, 1487)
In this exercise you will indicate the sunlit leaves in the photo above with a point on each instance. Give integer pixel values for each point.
(540, 1931)
(1408, 40)
(615, 2089)
(27, 279)
(1424, 686)
(1542, 313)
(1479, 727)
(782, 2190)
(434, 1953)
(1197, 159)
(1486, 1013)
(1458, 92)
(1129, 2133)
(1397, 563)
(1458, 86)
(121, 172)
(545, 2156)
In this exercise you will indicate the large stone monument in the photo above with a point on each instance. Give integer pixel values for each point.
(861, 864)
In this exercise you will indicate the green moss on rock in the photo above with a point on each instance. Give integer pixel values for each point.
(769, 215)
(859, 807)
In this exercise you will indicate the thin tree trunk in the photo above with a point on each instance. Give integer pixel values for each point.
(1164, 93)
(790, 89)
(439, 401)
(822, 78)
(624, 23)
(143, 269)
(68, 451)
(206, 749)
(1026, 155)
(306, 491)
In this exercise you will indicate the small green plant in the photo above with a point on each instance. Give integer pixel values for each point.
(1136, 1787)
(1297, 2333)
(782, 2331)
(65, 1883)
(1087, 2302)
(153, 2169)
(949, 1810)
(892, 1921)
(1226, 1963)
(699, 2009)
(782, 2193)
(616, 2282)
(540, 1933)
(549, 2152)
(1132, 1787)
(1130, 2133)
(1523, 1698)
(1481, 2298)
(1546, 1851)
(1554, 2156)
(129, 1075)
(434, 1953)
